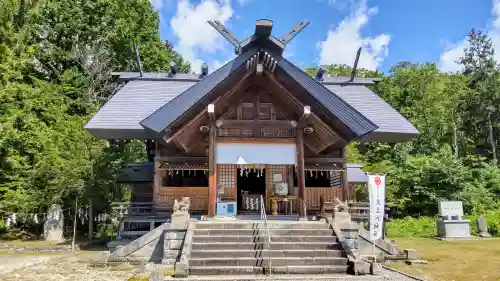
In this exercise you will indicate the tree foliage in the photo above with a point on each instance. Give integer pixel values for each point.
(454, 158)
(55, 62)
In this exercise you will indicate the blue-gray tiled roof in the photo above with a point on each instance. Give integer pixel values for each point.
(392, 126)
(175, 108)
(355, 174)
(119, 118)
(358, 124)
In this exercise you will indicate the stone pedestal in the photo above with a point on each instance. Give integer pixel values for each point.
(53, 226)
(453, 228)
(451, 224)
(342, 217)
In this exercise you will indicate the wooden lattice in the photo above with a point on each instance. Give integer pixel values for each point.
(270, 171)
(335, 179)
(226, 178)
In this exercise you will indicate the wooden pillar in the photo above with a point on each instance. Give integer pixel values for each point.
(212, 164)
(157, 179)
(301, 176)
(345, 184)
(291, 187)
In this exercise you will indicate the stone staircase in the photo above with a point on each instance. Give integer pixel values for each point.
(239, 248)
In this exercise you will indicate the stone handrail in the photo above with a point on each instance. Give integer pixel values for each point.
(351, 256)
(358, 266)
(139, 242)
(182, 264)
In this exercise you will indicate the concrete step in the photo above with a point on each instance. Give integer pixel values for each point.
(251, 225)
(245, 270)
(286, 261)
(262, 238)
(259, 245)
(272, 232)
(264, 253)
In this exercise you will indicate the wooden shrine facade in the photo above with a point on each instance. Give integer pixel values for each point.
(260, 116)
(255, 120)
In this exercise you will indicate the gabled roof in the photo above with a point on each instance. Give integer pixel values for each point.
(392, 126)
(171, 111)
(358, 124)
(120, 117)
(335, 108)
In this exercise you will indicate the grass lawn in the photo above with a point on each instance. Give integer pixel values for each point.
(473, 260)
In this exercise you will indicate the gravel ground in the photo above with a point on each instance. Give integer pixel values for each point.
(61, 268)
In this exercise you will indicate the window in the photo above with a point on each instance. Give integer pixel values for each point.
(185, 178)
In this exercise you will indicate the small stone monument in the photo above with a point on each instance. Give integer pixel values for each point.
(482, 226)
(451, 224)
(53, 226)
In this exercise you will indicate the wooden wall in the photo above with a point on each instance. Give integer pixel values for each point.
(198, 195)
(226, 178)
(313, 193)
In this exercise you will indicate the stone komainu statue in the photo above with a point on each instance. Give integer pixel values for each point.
(182, 205)
(340, 206)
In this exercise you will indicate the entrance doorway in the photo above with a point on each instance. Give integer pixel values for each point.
(251, 185)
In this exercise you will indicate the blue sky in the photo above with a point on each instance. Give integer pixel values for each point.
(389, 30)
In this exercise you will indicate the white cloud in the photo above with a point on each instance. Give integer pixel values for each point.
(157, 4)
(453, 52)
(243, 2)
(339, 4)
(193, 32)
(343, 41)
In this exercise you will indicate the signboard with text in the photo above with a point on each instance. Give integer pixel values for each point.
(376, 190)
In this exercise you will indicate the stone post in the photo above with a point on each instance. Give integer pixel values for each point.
(53, 226)
(482, 226)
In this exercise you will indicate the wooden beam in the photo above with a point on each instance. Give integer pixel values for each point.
(211, 112)
(182, 159)
(258, 123)
(305, 117)
(255, 140)
(321, 160)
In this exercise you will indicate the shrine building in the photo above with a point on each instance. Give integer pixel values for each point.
(257, 127)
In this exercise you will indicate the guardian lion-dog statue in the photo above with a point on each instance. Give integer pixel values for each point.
(339, 205)
(182, 205)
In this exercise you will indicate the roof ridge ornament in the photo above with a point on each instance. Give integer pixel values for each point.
(355, 66)
(294, 31)
(262, 36)
(224, 31)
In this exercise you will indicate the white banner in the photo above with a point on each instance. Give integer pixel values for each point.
(376, 190)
